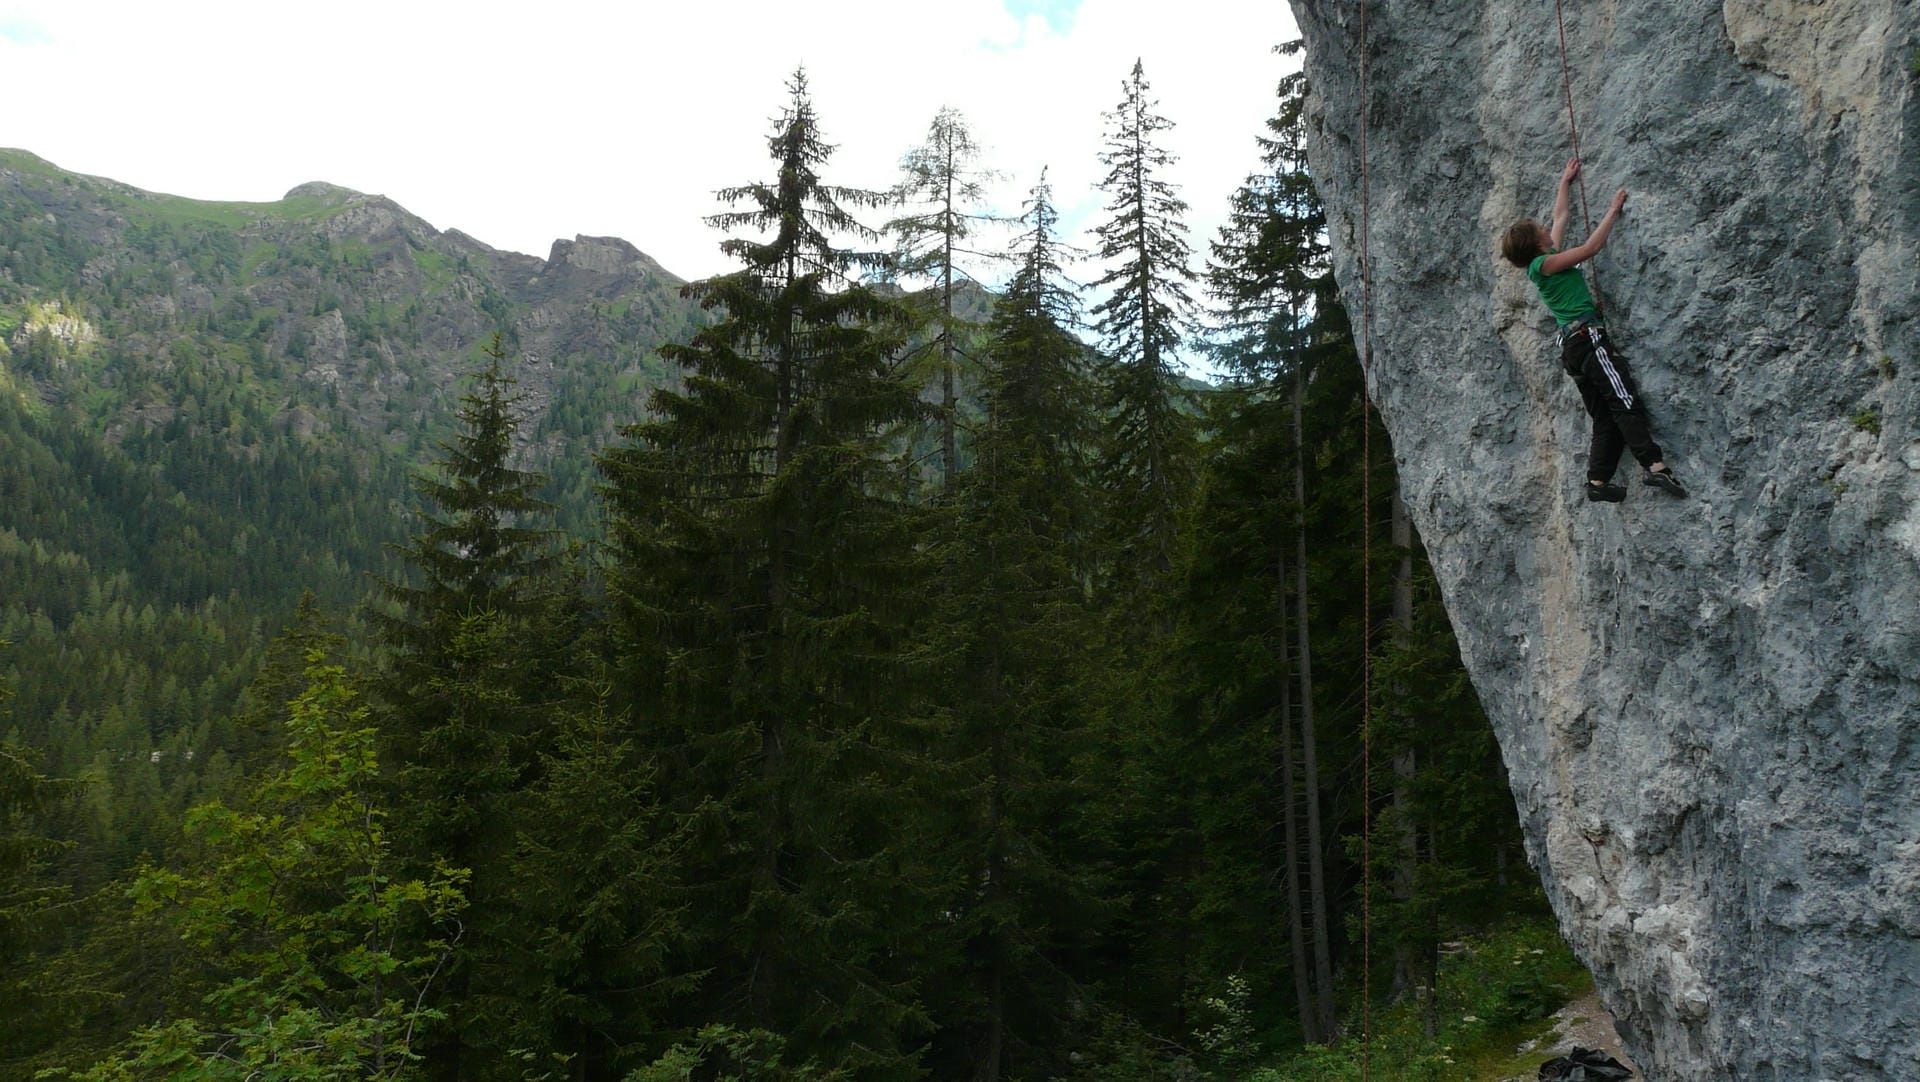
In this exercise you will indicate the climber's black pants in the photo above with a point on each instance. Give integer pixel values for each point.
(1613, 401)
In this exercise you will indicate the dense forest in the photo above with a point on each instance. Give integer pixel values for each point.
(827, 670)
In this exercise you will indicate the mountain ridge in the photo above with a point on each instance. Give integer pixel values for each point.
(306, 199)
(326, 248)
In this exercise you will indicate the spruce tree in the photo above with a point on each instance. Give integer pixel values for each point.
(763, 578)
(1017, 630)
(1232, 715)
(259, 720)
(1146, 472)
(1270, 260)
(481, 549)
(1316, 847)
(1272, 285)
(1146, 463)
(460, 714)
(1439, 843)
(941, 176)
(595, 920)
(1439, 791)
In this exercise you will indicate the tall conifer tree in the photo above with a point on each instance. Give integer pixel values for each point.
(1269, 262)
(1146, 470)
(592, 900)
(1019, 629)
(460, 715)
(482, 548)
(259, 718)
(1273, 284)
(1440, 844)
(942, 177)
(1232, 713)
(762, 584)
(1147, 461)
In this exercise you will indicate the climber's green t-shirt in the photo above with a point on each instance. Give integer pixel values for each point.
(1565, 293)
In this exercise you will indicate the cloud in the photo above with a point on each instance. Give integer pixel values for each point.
(1058, 14)
(22, 31)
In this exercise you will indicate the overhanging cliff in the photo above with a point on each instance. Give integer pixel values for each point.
(1710, 709)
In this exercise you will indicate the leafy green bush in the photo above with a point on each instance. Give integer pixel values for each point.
(1523, 997)
(1495, 990)
(1229, 1041)
(323, 954)
(725, 1054)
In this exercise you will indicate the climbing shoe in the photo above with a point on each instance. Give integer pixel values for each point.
(1665, 481)
(1607, 493)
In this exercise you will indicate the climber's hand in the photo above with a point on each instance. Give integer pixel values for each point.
(1619, 200)
(1572, 170)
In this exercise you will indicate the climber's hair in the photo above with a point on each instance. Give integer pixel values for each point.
(1522, 242)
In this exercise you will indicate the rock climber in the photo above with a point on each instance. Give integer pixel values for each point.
(1606, 385)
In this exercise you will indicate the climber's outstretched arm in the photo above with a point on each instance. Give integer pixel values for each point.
(1560, 261)
(1562, 206)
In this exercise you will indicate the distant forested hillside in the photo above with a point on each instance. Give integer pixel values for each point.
(208, 408)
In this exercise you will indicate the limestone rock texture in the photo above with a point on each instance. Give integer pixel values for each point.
(1710, 709)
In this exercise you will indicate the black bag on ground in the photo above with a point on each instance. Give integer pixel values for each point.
(1584, 1065)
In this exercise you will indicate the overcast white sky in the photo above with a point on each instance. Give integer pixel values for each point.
(521, 123)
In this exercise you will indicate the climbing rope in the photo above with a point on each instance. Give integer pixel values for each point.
(1366, 580)
(1573, 125)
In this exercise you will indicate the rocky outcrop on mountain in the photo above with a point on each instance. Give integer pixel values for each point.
(68, 332)
(1710, 709)
(609, 256)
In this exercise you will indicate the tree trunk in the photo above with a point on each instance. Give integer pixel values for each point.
(949, 455)
(764, 975)
(1316, 872)
(1406, 959)
(988, 1061)
(1157, 466)
(987, 1068)
(1290, 826)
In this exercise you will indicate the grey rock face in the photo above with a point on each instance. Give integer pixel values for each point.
(1710, 709)
(605, 255)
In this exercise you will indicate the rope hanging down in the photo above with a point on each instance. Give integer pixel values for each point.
(1366, 578)
(1566, 85)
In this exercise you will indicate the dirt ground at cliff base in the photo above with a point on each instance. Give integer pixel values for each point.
(1583, 1023)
